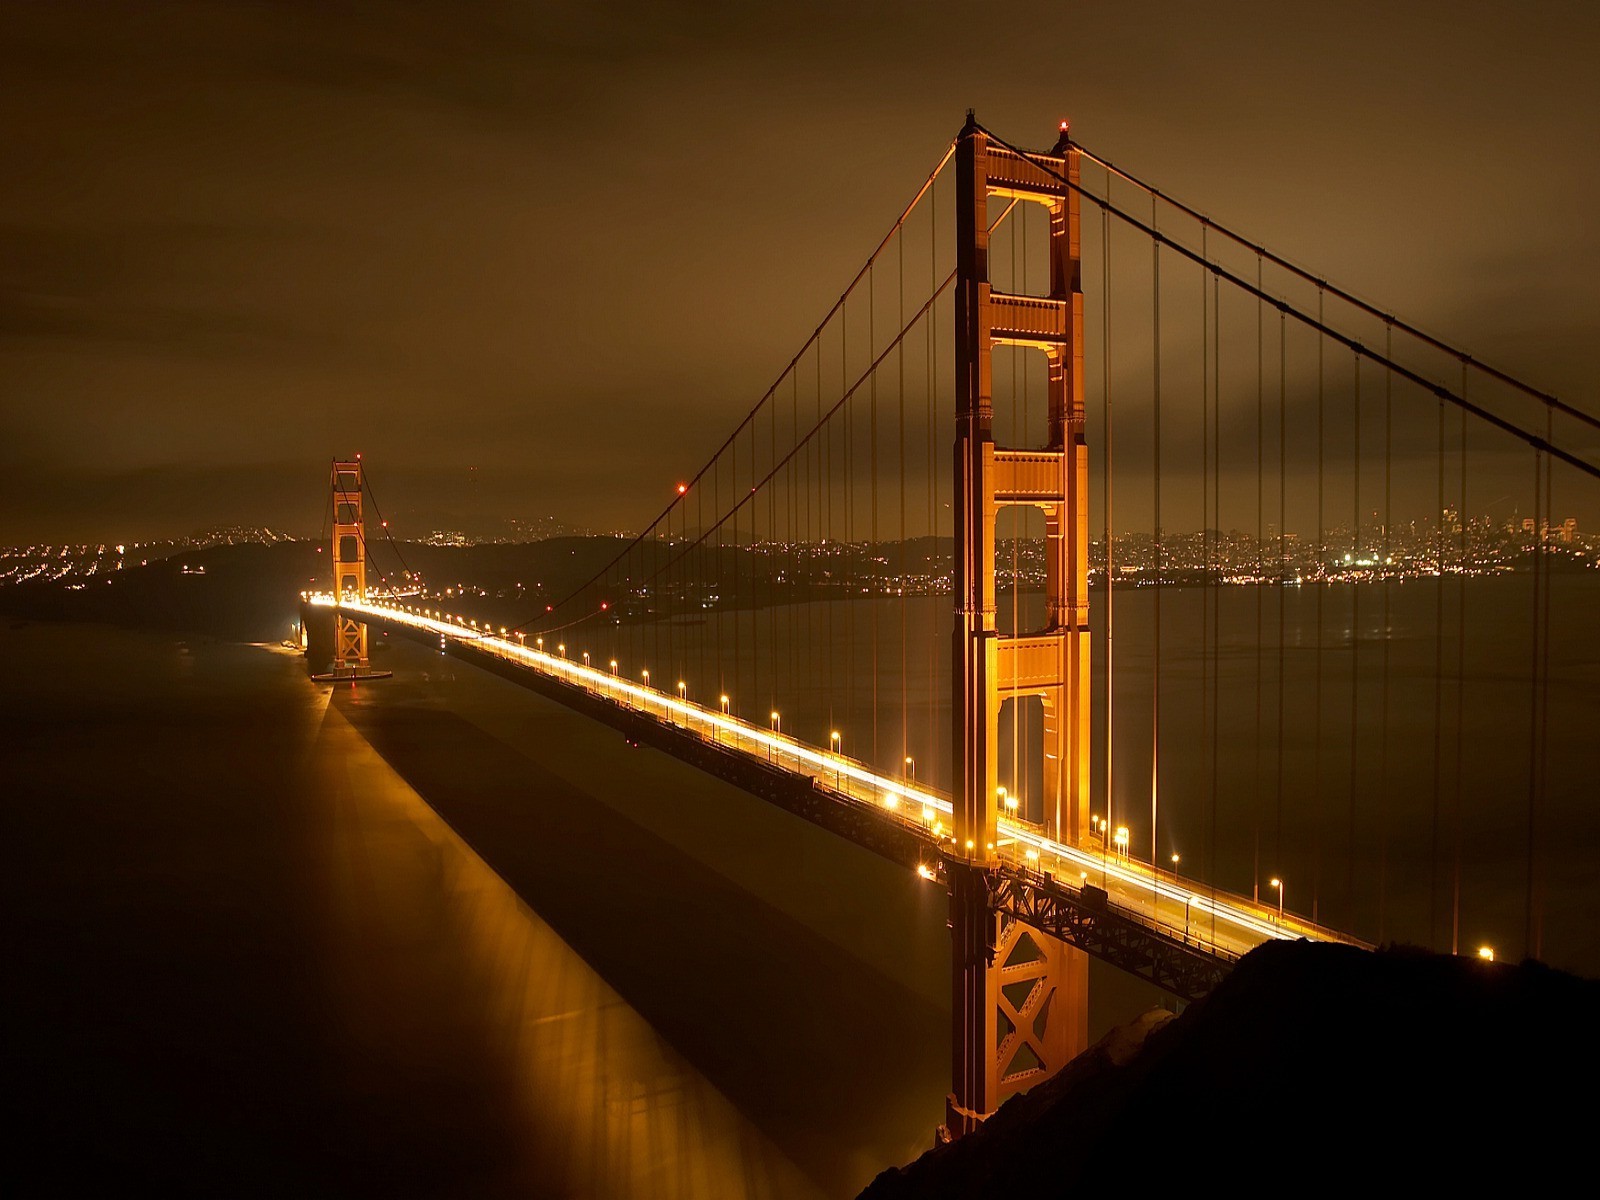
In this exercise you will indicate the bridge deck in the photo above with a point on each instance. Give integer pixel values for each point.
(1181, 935)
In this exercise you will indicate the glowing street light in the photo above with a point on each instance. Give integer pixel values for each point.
(1120, 840)
(1011, 803)
(1277, 885)
(911, 770)
(562, 647)
(834, 744)
(586, 658)
(771, 749)
(724, 706)
(1486, 953)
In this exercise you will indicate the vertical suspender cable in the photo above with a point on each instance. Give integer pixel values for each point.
(1438, 692)
(1207, 716)
(872, 457)
(725, 685)
(1544, 681)
(1155, 694)
(850, 414)
(1018, 708)
(826, 514)
(1355, 638)
(1216, 606)
(1461, 682)
(1255, 814)
(1530, 933)
(1283, 394)
(1384, 798)
(900, 569)
(935, 555)
(1016, 578)
(1108, 821)
(1321, 586)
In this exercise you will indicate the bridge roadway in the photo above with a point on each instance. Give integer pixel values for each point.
(1181, 936)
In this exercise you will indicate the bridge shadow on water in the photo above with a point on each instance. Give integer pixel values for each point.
(841, 1063)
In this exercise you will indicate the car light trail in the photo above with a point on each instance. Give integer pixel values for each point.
(1020, 845)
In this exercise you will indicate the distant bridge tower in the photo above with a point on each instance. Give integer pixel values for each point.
(1020, 998)
(349, 567)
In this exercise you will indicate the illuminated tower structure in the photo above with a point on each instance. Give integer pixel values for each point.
(1020, 998)
(349, 567)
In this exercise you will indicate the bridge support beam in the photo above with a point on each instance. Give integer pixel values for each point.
(1019, 996)
(349, 567)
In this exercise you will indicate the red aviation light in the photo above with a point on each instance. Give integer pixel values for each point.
(682, 488)
(604, 604)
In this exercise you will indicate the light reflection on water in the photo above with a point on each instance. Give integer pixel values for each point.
(599, 1104)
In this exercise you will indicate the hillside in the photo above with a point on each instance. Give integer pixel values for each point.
(1311, 1067)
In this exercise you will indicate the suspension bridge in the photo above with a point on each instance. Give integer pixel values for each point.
(889, 631)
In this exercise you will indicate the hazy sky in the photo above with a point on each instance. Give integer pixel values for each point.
(568, 244)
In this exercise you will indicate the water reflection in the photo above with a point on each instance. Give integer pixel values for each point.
(596, 1103)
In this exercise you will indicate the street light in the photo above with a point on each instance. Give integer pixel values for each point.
(646, 675)
(586, 658)
(1486, 953)
(834, 744)
(1009, 801)
(772, 750)
(911, 770)
(1277, 885)
(1175, 861)
(1120, 840)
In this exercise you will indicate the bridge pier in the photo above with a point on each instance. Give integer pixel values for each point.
(1019, 998)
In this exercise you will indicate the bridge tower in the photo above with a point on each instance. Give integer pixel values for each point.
(349, 567)
(1020, 998)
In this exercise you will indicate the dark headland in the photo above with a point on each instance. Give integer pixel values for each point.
(1310, 1067)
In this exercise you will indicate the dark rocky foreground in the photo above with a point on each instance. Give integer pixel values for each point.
(1312, 1066)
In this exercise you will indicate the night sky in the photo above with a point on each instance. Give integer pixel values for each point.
(568, 244)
